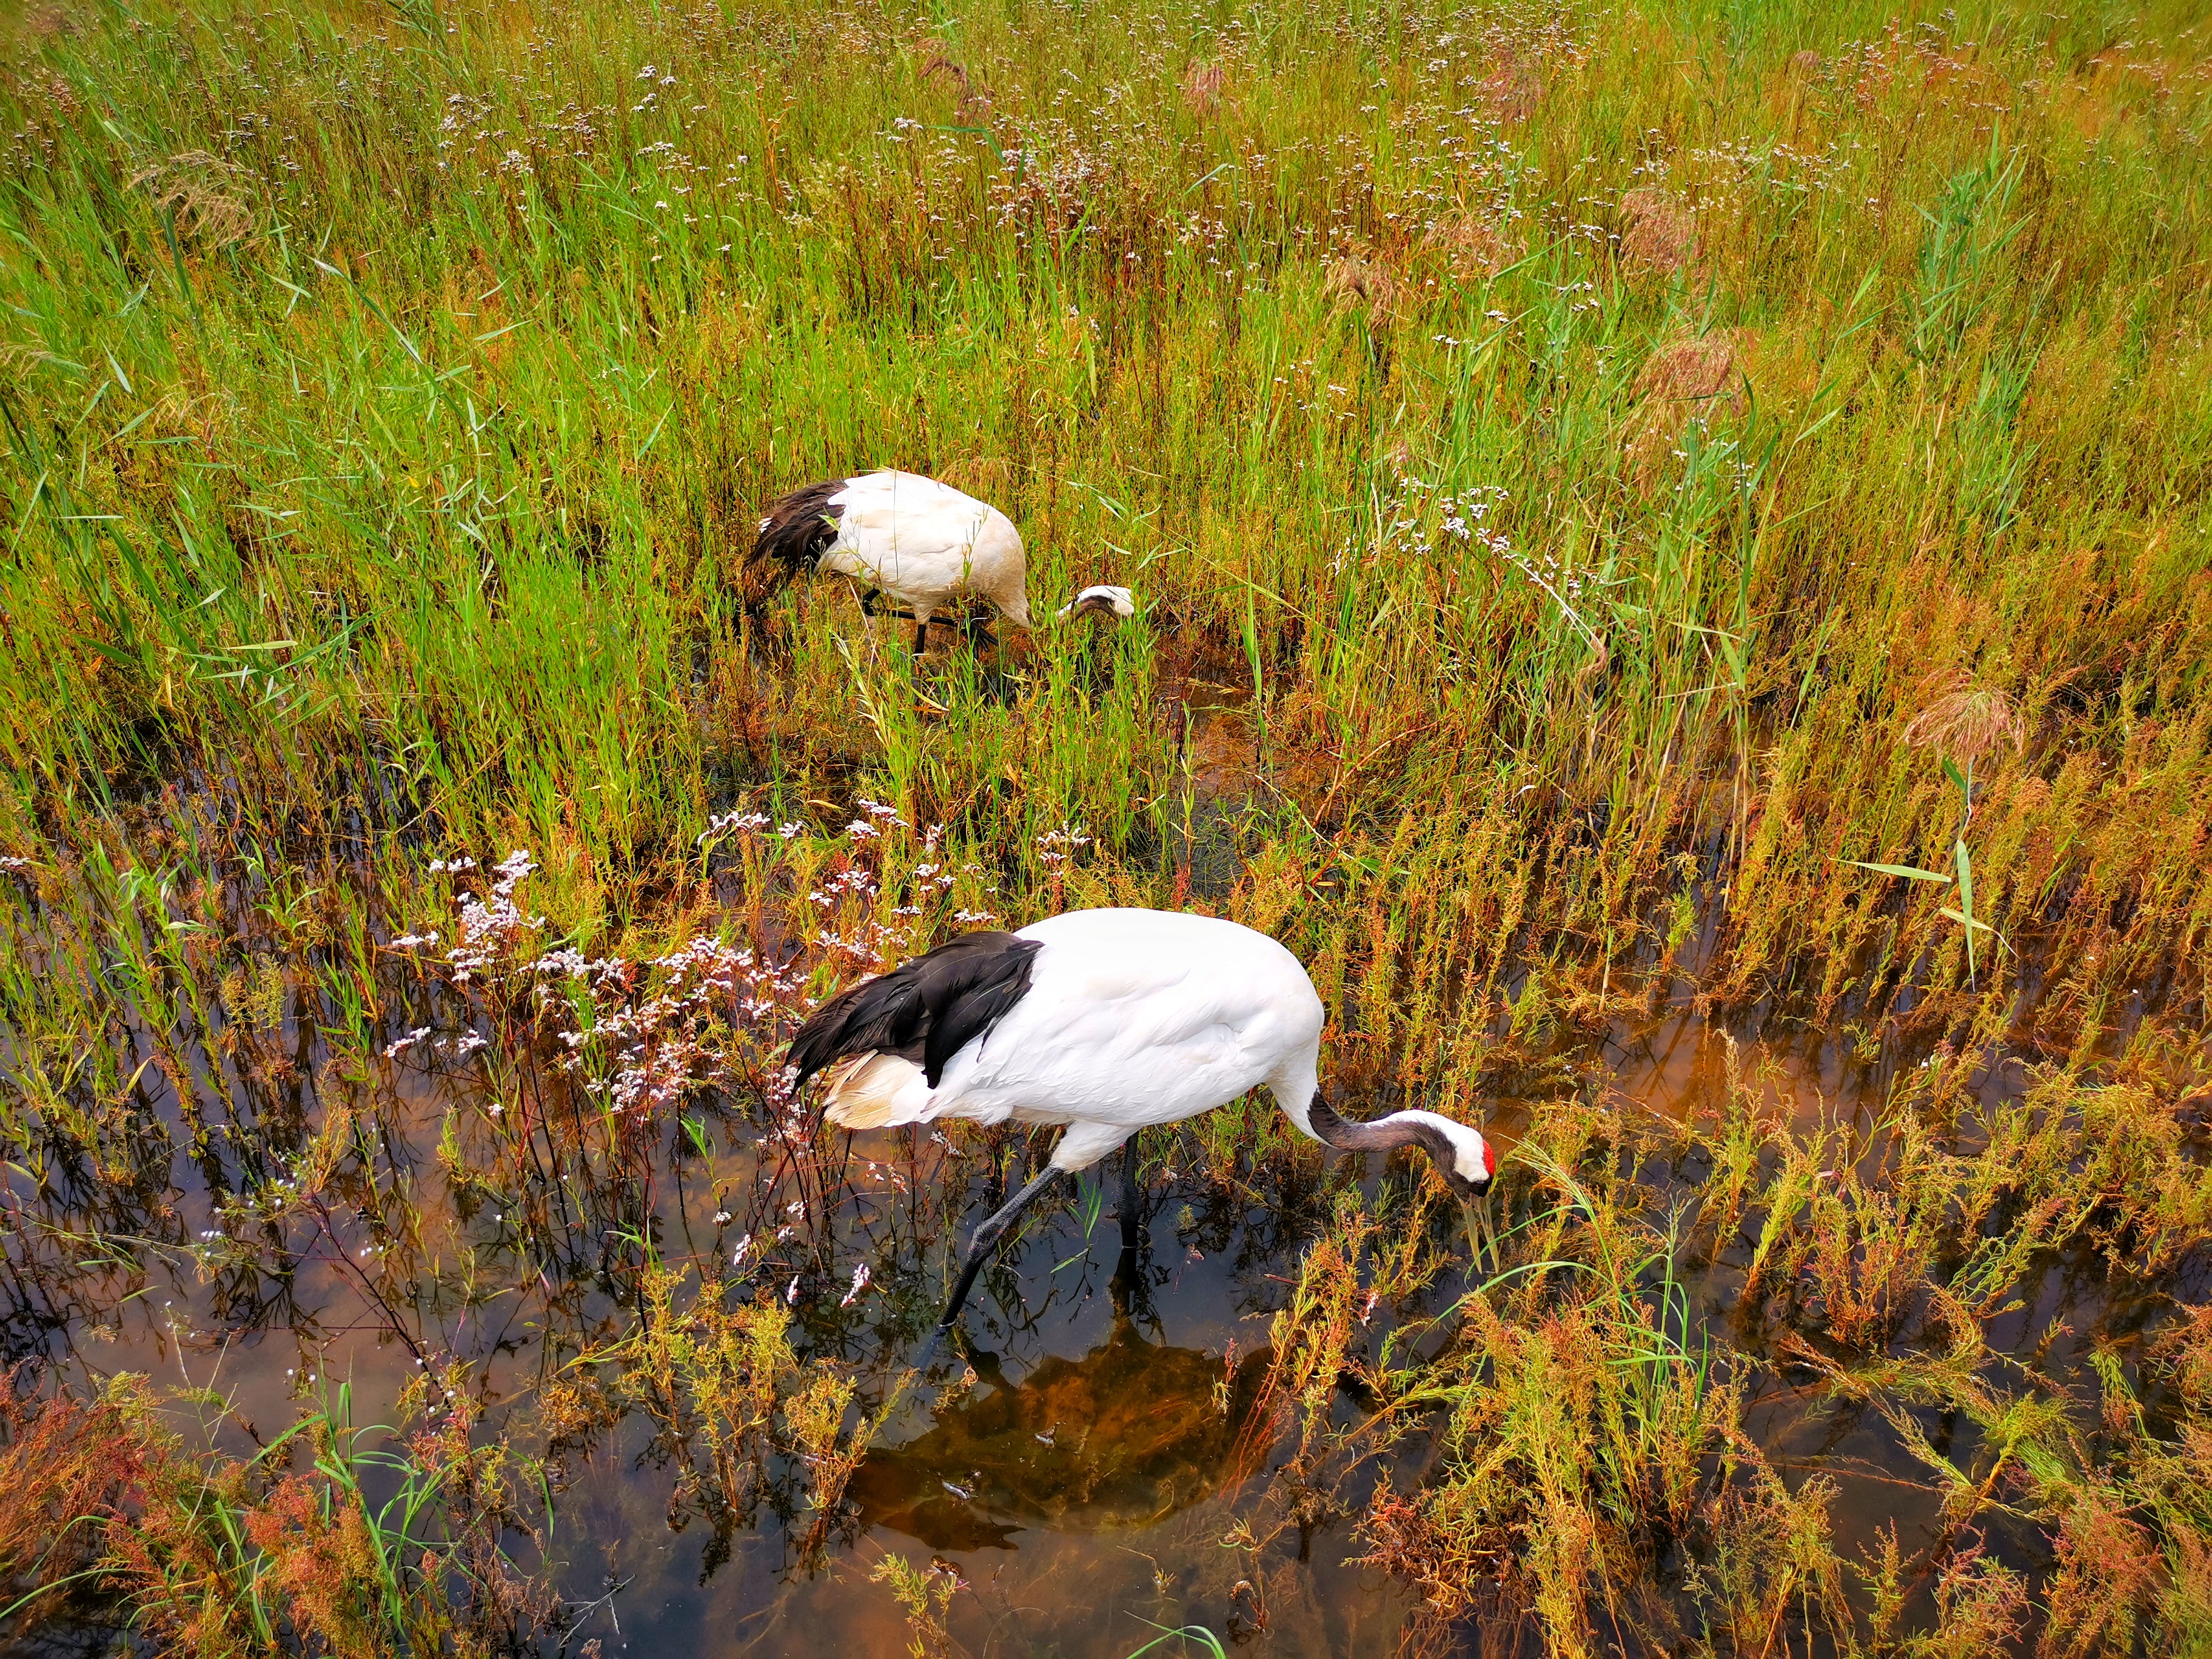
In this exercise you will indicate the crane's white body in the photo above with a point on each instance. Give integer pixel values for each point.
(1133, 1017)
(930, 547)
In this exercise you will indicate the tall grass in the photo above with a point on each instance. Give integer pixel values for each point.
(391, 469)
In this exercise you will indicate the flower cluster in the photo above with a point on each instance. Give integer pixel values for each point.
(868, 940)
(1465, 517)
(644, 1050)
(642, 1036)
(1055, 846)
(492, 928)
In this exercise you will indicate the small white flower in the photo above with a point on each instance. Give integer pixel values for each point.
(395, 1049)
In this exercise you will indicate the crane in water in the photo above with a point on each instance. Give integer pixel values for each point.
(1105, 1022)
(924, 545)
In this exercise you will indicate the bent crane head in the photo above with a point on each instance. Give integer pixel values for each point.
(1464, 1159)
(1471, 1167)
(1100, 600)
(1460, 1153)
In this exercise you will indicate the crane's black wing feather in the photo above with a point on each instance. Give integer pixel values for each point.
(797, 528)
(925, 1011)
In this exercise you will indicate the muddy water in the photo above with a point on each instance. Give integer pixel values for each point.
(1085, 1487)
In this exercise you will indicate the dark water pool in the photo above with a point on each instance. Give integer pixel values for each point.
(1094, 1482)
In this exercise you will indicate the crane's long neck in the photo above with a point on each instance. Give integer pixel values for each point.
(1457, 1149)
(1382, 1134)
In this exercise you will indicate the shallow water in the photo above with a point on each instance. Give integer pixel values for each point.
(1084, 1487)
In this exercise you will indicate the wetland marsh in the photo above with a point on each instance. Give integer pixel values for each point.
(1670, 548)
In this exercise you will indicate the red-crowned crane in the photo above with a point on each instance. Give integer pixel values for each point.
(1105, 1022)
(924, 545)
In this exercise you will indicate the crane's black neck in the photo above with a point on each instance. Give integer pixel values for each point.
(1383, 1135)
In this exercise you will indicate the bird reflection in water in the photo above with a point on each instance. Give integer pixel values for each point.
(1124, 1436)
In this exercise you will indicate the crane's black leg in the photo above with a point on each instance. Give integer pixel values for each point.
(979, 1247)
(1132, 1200)
(1130, 1292)
(920, 635)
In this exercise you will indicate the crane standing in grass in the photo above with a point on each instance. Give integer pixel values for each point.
(1105, 1022)
(925, 546)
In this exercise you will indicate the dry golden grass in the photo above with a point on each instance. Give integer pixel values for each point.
(1472, 243)
(209, 199)
(1512, 89)
(939, 66)
(1360, 281)
(1684, 382)
(1657, 230)
(1203, 87)
(1964, 719)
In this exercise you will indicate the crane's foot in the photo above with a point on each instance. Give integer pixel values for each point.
(923, 1360)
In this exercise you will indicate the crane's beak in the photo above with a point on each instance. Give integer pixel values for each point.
(1475, 1205)
(1481, 1231)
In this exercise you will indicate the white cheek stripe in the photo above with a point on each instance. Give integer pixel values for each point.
(1467, 1142)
